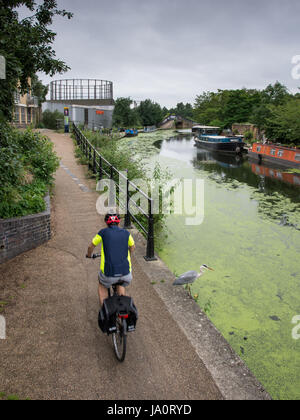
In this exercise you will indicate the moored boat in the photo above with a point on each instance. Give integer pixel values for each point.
(131, 133)
(208, 138)
(150, 129)
(281, 155)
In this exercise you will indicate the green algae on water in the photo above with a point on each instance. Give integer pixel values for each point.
(250, 236)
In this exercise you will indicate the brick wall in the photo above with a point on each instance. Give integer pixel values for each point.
(243, 128)
(22, 234)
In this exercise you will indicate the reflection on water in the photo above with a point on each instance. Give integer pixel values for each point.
(277, 192)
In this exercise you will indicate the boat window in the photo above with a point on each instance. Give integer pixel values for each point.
(297, 157)
(273, 152)
(259, 149)
(280, 153)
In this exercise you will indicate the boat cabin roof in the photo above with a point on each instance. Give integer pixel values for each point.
(278, 146)
(217, 137)
(206, 126)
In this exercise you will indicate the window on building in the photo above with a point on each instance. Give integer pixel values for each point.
(33, 115)
(23, 115)
(297, 157)
(29, 115)
(17, 97)
(280, 153)
(258, 149)
(273, 152)
(16, 115)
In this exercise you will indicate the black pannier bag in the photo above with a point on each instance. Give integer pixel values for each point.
(114, 306)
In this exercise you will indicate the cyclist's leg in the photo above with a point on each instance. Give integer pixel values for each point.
(126, 282)
(121, 291)
(103, 294)
(104, 285)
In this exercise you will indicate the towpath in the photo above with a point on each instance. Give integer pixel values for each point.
(54, 349)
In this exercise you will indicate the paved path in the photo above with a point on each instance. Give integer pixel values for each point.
(54, 349)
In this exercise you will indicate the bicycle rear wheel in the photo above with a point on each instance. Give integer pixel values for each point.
(120, 339)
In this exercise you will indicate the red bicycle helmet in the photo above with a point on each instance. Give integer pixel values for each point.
(112, 219)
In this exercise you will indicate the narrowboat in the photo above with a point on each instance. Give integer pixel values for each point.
(208, 138)
(131, 133)
(281, 155)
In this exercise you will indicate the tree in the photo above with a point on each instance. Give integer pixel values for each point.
(124, 116)
(183, 110)
(150, 113)
(238, 106)
(276, 94)
(38, 89)
(208, 107)
(26, 46)
(283, 125)
(165, 112)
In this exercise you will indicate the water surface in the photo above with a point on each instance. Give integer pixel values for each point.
(251, 237)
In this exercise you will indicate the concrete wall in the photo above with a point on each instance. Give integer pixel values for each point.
(22, 234)
(77, 113)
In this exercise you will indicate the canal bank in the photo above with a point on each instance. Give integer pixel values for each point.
(54, 349)
(231, 376)
(250, 237)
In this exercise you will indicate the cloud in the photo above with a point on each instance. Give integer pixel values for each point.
(171, 51)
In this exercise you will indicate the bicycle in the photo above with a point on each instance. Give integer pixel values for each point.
(121, 328)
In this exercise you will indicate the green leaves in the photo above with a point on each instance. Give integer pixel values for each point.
(124, 116)
(150, 113)
(183, 110)
(28, 163)
(27, 47)
(283, 124)
(272, 110)
(50, 119)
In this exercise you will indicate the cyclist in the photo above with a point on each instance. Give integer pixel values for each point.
(117, 245)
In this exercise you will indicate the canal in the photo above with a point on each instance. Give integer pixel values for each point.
(251, 237)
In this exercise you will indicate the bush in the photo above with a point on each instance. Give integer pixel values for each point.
(248, 136)
(108, 147)
(28, 163)
(122, 161)
(50, 119)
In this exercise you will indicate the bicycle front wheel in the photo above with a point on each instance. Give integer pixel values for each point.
(120, 339)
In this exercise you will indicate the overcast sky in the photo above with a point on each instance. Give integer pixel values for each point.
(172, 50)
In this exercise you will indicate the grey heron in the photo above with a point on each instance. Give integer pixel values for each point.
(191, 276)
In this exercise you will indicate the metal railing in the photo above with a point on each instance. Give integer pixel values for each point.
(32, 101)
(101, 167)
(81, 89)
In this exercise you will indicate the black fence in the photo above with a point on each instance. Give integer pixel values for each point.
(101, 167)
